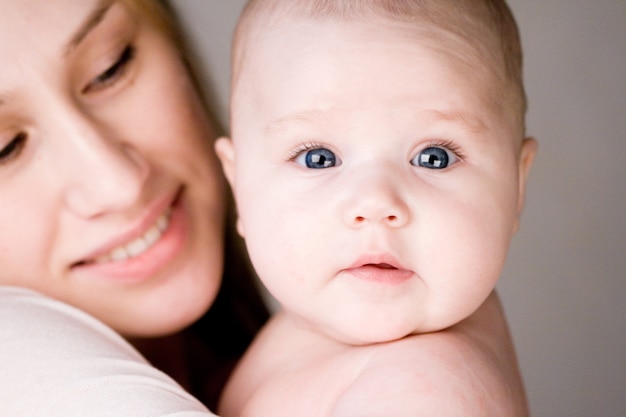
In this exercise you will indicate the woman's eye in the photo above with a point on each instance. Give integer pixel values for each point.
(434, 158)
(319, 158)
(113, 73)
(13, 148)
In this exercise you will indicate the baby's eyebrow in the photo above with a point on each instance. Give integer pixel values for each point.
(302, 117)
(468, 121)
(472, 123)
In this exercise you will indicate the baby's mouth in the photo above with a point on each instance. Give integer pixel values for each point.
(381, 266)
(381, 272)
(136, 247)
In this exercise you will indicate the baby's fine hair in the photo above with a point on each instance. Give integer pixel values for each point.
(487, 24)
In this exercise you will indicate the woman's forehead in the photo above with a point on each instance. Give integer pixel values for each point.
(26, 24)
(36, 34)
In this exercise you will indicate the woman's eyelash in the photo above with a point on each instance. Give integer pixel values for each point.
(114, 72)
(13, 149)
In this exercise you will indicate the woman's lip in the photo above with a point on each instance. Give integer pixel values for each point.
(149, 263)
(155, 214)
(141, 244)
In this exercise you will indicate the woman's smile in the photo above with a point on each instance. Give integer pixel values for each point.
(140, 257)
(139, 245)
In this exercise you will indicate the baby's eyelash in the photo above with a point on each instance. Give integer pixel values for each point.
(449, 145)
(307, 146)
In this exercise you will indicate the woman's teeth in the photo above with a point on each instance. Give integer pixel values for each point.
(139, 245)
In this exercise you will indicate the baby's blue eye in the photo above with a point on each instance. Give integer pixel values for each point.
(319, 158)
(434, 158)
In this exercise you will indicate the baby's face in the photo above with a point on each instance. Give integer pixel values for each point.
(377, 177)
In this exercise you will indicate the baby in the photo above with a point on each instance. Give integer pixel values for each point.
(379, 162)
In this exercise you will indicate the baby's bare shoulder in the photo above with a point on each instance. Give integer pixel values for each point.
(442, 374)
(467, 370)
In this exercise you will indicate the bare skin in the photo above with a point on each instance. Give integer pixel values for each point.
(344, 380)
(379, 181)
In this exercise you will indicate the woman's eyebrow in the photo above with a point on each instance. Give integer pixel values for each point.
(92, 20)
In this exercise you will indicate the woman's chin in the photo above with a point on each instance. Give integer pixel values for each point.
(157, 321)
(166, 310)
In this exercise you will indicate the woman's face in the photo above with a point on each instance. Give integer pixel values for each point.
(110, 198)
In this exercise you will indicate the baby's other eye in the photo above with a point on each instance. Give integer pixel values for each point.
(318, 158)
(434, 157)
(113, 73)
(12, 149)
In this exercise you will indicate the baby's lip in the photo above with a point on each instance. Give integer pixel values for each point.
(383, 266)
(381, 269)
(383, 261)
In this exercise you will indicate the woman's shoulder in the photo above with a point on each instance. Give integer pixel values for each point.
(58, 361)
(29, 316)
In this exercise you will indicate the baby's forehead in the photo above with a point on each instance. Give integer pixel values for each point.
(488, 25)
(480, 34)
(463, 48)
(351, 61)
(442, 27)
(464, 17)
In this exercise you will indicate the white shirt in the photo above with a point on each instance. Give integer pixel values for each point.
(57, 361)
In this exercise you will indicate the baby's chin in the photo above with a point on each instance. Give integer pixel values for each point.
(369, 332)
(369, 329)
(371, 335)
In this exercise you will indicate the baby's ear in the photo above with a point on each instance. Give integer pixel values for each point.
(526, 158)
(226, 153)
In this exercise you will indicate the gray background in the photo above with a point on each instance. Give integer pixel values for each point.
(565, 279)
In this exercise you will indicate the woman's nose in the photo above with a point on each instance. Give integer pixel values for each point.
(376, 200)
(102, 173)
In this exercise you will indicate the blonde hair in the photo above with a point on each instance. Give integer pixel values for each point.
(159, 13)
(487, 24)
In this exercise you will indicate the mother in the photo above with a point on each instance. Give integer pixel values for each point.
(111, 198)
(112, 205)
